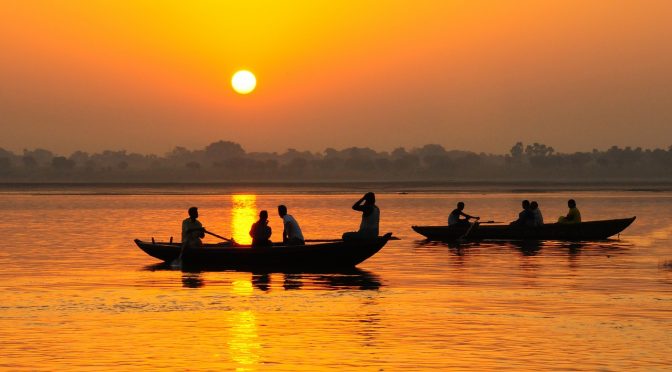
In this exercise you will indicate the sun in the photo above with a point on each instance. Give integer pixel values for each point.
(243, 82)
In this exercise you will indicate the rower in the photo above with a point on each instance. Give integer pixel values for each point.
(192, 230)
(454, 216)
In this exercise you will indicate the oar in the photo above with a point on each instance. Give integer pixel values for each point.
(468, 230)
(491, 222)
(178, 261)
(218, 236)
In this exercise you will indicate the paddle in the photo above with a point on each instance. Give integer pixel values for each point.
(178, 261)
(218, 236)
(468, 230)
(491, 222)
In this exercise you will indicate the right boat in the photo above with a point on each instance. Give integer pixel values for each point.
(590, 230)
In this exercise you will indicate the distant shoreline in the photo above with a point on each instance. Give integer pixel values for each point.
(314, 187)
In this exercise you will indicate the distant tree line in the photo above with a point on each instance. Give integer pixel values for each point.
(227, 161)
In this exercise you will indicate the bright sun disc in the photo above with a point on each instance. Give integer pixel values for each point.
(243, 82)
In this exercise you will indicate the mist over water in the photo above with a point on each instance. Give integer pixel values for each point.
(78, 294)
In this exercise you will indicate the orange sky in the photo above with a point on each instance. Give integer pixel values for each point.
(146, 76)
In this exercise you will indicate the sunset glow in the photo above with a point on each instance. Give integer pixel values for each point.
(109, 76)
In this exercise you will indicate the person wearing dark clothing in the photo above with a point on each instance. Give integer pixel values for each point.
(192, 230)
(368, 228)
(454, 216)
(573, 216)
(261, 232)
(526, 216)
(538, 217)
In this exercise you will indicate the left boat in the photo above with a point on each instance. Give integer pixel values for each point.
(328, 255)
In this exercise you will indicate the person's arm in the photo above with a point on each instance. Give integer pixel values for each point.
(468, 216)
(286, 231)
(358, 205)
(200, 229)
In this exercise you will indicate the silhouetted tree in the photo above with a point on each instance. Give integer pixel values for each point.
(62, 163)
(224, 150)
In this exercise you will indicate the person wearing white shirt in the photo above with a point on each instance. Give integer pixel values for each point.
(538, 218)
(291, 232)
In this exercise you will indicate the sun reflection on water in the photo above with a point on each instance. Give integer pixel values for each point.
(243, 215)
(244, 346)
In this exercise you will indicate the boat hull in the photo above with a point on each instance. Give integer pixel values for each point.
(339, 254)
(591, 230)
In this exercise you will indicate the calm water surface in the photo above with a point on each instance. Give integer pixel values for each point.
(78, 295)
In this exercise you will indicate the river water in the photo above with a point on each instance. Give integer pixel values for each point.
(77, 294)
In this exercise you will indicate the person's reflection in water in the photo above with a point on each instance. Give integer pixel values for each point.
(261, 281)
(574, 256)
(192, 280)
(292, 281)
(528, 247)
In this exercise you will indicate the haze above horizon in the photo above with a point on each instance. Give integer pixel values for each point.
(478, 75)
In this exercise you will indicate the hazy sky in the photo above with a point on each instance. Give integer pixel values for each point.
(146, 76)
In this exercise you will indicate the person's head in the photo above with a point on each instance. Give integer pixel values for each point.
(193, 212)
(370, 198)
(534, 205)
(282, 210)
(263, 216)
(460, 205)
(571, 203)
(526, 204)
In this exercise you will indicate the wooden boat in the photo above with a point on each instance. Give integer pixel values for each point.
(332, 254)
(590, 230)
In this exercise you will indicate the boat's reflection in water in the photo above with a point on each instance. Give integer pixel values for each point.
(533, 247)
(353, 278)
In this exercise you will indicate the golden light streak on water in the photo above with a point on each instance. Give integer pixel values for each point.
(243, 215)
(242, 287)
(244, 346)
(75, 300)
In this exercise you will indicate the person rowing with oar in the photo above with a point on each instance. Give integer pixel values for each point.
(454, 216)
(192, 233)
(192, 229)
